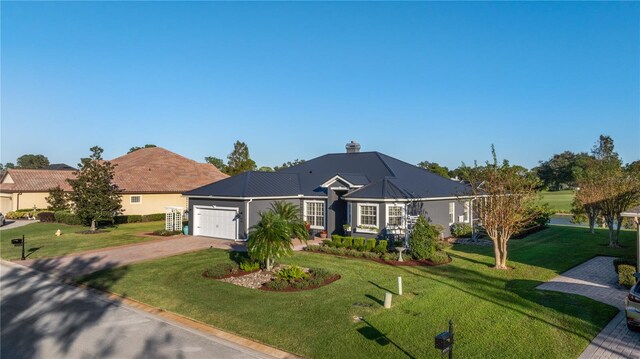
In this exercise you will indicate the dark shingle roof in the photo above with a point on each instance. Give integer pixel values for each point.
(380, 175)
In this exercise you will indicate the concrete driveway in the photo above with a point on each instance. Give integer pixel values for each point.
(84, 263)
(597, 280)
(43, 318)
(12, 223)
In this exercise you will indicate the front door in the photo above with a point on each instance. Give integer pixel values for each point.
(339, 208)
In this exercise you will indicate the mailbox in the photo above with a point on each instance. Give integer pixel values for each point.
(16, 242)
(443, 340)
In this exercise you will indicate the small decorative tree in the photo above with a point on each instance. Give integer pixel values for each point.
(94, 195)
(57, 199)
(422, 240)
(291, 213)
(270, 239)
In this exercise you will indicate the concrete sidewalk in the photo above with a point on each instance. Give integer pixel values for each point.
(596, 279)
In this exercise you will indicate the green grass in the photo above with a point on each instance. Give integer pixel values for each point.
(41, 240)
(560, 201)
(497, 314)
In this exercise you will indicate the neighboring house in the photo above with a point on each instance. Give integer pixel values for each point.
(369, 191)
(150, 180)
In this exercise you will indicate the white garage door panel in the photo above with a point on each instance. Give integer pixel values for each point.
(215, 222)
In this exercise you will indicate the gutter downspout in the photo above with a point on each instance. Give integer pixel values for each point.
(246, 218)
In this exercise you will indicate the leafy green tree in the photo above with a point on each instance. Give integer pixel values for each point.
(239, 160)
(32, 161)
(270, 239)
(561, 169)
(291, 213)
(218, 162)
(265, 169)
(288, 164)
(422, 239)
(57, 199)
(435, 168)
(7, 166)
(504, 198)
(94, 195)
(135, 148)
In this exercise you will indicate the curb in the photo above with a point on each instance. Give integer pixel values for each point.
(174, 317)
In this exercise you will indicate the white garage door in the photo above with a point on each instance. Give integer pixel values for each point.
(215, 222)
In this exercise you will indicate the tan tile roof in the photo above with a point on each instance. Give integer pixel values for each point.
(148, 170)
(156, 170)
(35, 180)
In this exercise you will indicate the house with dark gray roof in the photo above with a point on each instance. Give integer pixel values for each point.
(371, 193)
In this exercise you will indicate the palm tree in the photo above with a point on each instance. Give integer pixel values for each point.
(270, 239)
(291, 213)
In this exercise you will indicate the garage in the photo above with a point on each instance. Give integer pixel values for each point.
(215, 222)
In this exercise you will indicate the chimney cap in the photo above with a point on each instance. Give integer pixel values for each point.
(353, 147)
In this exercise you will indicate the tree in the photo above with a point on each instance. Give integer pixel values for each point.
(288, 164)
(94, 196)
(291, 213)
(265, 169)
(621, 191)
(32, 161)
(57, 199)
(422, 240)
(7, 166)
(270, 239)
(503, 202)
(135, 148)
(218, 162)
(589, 194)
(239, 160)
(561, 169)
(435, 168)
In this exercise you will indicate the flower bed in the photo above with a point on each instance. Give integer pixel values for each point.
(386, 258)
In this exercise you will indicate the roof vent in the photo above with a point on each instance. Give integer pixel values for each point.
(353, 147)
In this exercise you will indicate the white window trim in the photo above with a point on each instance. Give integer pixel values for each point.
(359, 223)
(324, 215)
(467, 210)
(135, 195)
(389, 205)
(452, 212)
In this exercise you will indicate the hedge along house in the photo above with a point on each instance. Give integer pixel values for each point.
(368, 191)
(150, 179)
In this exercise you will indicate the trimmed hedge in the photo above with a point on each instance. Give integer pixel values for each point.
(67, 217)
(625, 275)
(137, 218)
(47, 217)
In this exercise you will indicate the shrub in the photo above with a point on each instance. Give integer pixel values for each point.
(327, 242)
(441, 245)
(620, 261)
(278, 284)
(369, 244)
(219, 270)
(165, 233)
(390, 256)
(291, 273)
(625, 275)
(422, 241)
(320, 272)
(337, 241)
(358, 243)
(47, 217)
(439, 257)
(347, 242)
(461, 230)
(67, 217)
(249, 265)
(381, 247)
(312, 248)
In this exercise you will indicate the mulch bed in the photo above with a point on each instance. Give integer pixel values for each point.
(406, 263)
(238, 273)
(290, 289)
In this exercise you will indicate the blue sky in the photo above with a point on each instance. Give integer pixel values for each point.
(417, 81)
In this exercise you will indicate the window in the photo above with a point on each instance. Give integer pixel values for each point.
(368, 216)
(135, 199)
(466, 212)
(395, 215)
(452, 212)
(314, 214)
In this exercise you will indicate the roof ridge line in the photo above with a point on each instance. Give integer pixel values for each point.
(385, 164)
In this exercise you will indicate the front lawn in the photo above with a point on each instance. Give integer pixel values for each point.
(497, 314)
(559, 201)
(41, 240)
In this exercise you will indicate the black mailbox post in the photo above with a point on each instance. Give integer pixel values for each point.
(444, 341)
(19, 242)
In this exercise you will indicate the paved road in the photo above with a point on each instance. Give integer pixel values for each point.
(42, 318)
(597, 280)
(11, 223)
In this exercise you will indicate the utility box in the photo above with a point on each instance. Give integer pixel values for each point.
(443, 340)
